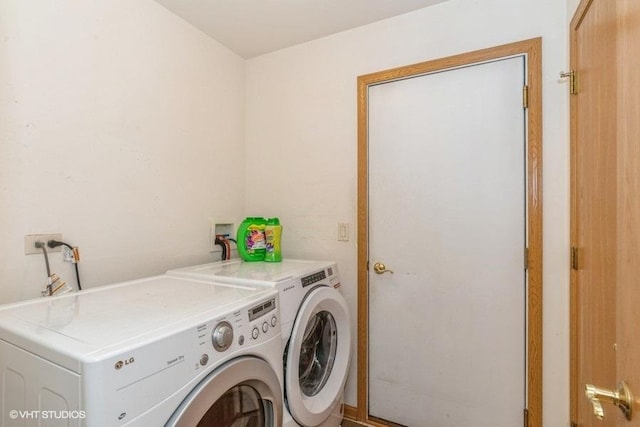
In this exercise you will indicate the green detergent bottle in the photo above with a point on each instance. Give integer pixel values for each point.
(250, 239)
(273, 233)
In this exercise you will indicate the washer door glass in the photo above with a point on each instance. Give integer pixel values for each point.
(245, 392)
(317, 353)
(239, 406)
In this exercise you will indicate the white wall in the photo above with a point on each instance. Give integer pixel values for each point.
(572, 5)
(121, 127)
(301, 141)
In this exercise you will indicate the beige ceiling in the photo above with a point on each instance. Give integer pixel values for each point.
(254, 27)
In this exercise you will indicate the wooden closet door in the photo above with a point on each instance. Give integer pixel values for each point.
(605, 118)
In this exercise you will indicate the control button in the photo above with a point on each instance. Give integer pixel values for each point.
(204, 359)
(241, 340)
(255, 333)
(265, 327)
(274, 321)
(222, 336)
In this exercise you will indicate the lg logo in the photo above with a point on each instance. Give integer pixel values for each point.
(121, 363)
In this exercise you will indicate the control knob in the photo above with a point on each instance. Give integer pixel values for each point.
(222, 336)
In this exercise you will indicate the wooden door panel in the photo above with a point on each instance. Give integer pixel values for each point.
(605, 129)
(594, 166)
(628, 290)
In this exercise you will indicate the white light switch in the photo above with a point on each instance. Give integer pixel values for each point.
(343, 232)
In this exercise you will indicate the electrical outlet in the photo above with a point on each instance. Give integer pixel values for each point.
(31, 239)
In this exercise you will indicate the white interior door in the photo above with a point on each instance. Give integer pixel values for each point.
(447, 329)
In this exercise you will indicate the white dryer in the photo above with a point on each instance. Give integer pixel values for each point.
(316, 331)
(161, 351)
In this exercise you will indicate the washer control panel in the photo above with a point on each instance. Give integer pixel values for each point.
(262, 309)
(266, 315)
(238, 329)
(137, 378)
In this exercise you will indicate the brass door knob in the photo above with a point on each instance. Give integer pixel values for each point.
(621, 397)
(380, 268)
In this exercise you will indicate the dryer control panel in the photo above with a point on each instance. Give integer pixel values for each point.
(240, 329)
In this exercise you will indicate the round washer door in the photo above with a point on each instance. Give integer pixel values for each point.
(245, 391)
(318, 356)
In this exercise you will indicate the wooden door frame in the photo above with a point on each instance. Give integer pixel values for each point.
(532, 50)
(574, 393)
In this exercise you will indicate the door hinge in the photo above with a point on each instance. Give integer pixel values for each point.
(573, 89)
(526, 417)
(574, 258)
(525, 97)
(526, 258)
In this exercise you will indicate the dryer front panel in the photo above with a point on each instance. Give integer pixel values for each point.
(317, 353)
(318, 356)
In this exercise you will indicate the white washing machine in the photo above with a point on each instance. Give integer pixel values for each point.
(316, 331)
(161, 351)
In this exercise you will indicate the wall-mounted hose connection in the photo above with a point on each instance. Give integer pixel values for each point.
(223, 240)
